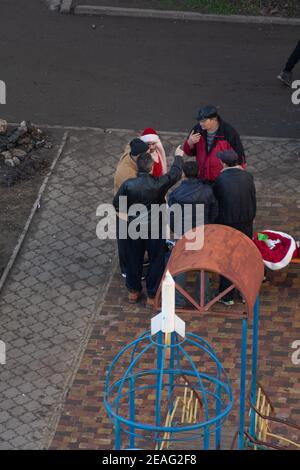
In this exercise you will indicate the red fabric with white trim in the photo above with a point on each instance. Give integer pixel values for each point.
(282, 253)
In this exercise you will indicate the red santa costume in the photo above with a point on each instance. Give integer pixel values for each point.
(277, 248)
(149, 135)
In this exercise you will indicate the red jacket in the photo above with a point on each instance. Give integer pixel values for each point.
(210, 165)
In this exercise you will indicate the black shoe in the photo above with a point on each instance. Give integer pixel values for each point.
(285, 77)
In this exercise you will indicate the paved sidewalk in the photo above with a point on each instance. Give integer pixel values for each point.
(50, 299)
(84, 423)
(52, 316)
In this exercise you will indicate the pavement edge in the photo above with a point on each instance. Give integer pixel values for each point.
(178, 15)
(34, 208)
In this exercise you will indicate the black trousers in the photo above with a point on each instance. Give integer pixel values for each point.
(224, 282)
(293, 59)
(121, 246)
(134, 264)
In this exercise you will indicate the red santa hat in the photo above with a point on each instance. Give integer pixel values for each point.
(277, 248)
(150, 135)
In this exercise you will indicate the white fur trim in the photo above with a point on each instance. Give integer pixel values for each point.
(149, 138)
(287, 259)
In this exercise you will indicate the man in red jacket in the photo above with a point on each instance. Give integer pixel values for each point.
(210, 136)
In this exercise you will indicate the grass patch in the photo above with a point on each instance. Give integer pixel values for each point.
(234, 7)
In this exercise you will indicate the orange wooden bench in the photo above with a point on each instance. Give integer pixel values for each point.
(295, 260)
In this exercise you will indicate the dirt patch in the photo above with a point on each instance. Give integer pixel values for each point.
(17, 201)
(286, 8)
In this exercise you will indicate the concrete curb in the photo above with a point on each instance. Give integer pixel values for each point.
(181, 15)
(35, 207)
(109, 130)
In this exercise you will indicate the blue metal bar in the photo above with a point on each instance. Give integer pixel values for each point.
(199, 382)
(218, 410)
(206, 438)
(187, 372)
(160, 347)
(132, 411)
(118, 435)
(177, 352)
(243, 382)
(159, 384)
(126, 375)
(171, 371)
(158, 365)
(254, 365)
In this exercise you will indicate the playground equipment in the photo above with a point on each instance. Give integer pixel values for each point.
(167, 389)
(229, 253)
(268, 427)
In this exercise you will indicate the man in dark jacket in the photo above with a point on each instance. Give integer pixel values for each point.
(192, 192)
(127, 169)
(147, 190)
(207, 138)
(236, 195)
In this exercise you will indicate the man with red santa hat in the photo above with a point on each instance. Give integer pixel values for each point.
(150, 137)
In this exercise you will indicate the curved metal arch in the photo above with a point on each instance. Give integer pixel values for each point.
(225, 251)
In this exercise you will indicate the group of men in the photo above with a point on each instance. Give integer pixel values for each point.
(216, 177)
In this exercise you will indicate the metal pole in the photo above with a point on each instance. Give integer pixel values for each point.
(218, 410)
(243, 382)
(254, 365)
(132, 412)
(158, 376)
(171, 371)
(206, 438)
(118, 435)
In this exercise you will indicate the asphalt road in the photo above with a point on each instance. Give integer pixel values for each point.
(133, 73)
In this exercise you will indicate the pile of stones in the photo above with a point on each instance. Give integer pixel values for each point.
(19, 158)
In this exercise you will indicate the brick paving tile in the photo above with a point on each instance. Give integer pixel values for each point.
(84, 422)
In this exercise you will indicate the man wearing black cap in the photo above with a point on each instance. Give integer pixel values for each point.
(149, 191)
(235, 192)
(208, 137)
(127, 168)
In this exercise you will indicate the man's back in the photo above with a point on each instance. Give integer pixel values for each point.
(235, 192)
(193, 191)
(147, 189)
(126, 169)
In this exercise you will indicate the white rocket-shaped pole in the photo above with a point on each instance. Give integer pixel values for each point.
(167, 321)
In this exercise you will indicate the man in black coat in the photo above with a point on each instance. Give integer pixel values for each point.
(150, 191)
(235, 192)
(192, 192)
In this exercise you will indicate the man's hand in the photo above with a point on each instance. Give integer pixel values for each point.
(179, 151)
(194, 138)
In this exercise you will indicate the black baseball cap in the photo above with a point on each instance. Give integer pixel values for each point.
(207, 112)
(137, 146)
(229, 157)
